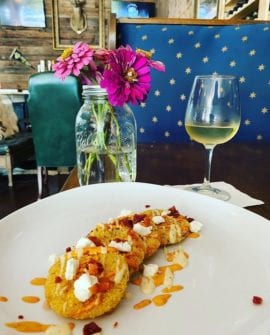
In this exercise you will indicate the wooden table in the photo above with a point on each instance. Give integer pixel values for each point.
(245, 166)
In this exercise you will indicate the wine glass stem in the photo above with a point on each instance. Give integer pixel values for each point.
(208, 164)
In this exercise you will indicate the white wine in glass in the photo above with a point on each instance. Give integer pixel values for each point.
(212, 117)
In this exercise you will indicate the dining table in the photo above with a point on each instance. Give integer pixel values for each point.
(246, 166)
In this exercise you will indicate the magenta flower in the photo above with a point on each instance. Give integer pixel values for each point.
(127, 78)
(73, 60)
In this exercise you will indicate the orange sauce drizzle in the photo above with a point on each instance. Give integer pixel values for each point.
(161, 299)
(194, 235)
(142, 304)
(38, 281)
(32, 326)
(159, 276)
(174, 288)
(3, 299)
(31, 299)
(28, 326)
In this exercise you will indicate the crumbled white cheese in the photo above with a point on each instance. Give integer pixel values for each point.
(84, 242)
(158, 219)
(195, 226)
(58, 330)
(125, 212)
(82, 286)
(142, 230)
(71, 268)
(121, 246)
(164, 213)
(150, 270)
(52, 259)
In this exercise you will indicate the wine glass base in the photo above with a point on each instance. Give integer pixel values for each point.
(210, 191)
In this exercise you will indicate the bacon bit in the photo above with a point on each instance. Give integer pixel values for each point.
(95, 240)
(91, 328)
(68, 249)
(173, 212)
(142, 304)
(58, 280)
(104, 285)
(126, 222)
(189, 219)
(147, 206)
(138, 217)
(20, 317)
(115, 324)
(257, 300)
(94, 268)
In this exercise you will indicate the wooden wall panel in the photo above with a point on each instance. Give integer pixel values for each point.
(35, 44)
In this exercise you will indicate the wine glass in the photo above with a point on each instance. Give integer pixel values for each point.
(212, 117)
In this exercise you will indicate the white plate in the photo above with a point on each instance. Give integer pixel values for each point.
(228, 264)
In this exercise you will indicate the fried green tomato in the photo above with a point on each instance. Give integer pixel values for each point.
(122, 238)
(172, 227)
(87, 282)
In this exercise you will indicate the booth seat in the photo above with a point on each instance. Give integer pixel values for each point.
(189, 49)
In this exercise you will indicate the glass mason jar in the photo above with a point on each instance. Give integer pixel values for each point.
(106, 139)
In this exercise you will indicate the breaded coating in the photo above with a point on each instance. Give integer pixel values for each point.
(172, 227)
(124, 239)
(86, 283)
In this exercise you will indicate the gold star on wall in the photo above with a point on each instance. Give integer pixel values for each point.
(264, 110)
(252, 95)
(197, 45)
(242, 79)
(143, 104)
(168, 108)
(171, 41)
(261, 67)
(252, 52)
(167, 134)
(179, 55)
(205, 60)
(233, 63)
(247, 122)
(154, 119)
(182, 97)
(157, 93)
(142, 130)
(188, 70)
(172, 81)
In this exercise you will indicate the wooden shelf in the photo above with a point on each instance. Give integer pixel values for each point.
(261, 6)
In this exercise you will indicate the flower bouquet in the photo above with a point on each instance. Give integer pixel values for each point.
(105, 125)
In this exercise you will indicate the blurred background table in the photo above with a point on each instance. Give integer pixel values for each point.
(243, 165)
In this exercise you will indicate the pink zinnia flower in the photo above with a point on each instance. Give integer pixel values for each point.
(73, 60)
(127, 78)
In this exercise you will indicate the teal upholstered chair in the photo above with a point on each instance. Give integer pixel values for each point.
(53, 105)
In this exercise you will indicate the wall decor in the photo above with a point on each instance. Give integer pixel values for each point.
(23, 13)
(78, 20)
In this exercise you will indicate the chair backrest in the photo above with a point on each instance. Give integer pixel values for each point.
(190, 48)
(53, 105)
